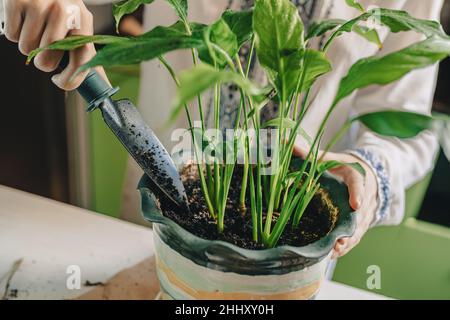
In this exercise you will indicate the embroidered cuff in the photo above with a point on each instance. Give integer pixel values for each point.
(384, 187)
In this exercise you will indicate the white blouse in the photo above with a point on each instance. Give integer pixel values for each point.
(398, 164)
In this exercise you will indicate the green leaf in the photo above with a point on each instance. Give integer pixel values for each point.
(395, 123)
(395, 20)
(315, 64)
(148, 46)
(347, 27)
(318, 29)
(279, 36)
(288, 79)
(287, 122)
(279, 31)
(126, 7)
(177, 29)
(355, 4)
(181, 8)
(221, 35)
(202, 77)
(398, 21)
(392, 67)
(329, 165)
(370, 35)
(241, 23)
(74, 42)
(290, 124)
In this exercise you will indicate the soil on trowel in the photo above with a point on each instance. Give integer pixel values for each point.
(317, 221)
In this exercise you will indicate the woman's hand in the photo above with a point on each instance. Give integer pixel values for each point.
(38, 23)
(363, 196)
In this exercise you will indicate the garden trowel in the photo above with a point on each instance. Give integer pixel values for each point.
(125, 121)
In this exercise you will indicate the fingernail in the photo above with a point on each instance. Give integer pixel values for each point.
(55, 79)
(358, 202)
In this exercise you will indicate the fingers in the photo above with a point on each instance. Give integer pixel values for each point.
(339, 247)
(353, 179)
(56, 29)
(14, 19)
(66, 80)
(344, 245)
(301, 150)
(362, 195)
(32, 28)
(35, 24)
(356, 188)
(356, 185)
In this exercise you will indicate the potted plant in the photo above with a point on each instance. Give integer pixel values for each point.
(261, 223)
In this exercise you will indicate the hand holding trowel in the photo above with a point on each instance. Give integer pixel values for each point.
(124, 120)
(37, 24)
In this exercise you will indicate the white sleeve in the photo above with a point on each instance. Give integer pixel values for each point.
(397, 163)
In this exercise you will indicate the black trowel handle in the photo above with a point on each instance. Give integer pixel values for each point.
(94, 88)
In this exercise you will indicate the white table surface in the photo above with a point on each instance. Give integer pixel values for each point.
(41, 238)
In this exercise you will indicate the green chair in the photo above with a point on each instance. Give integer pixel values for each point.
(414, 258)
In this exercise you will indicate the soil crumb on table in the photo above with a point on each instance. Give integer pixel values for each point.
(317, 221)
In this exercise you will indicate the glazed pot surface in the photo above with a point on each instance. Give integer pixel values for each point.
(182, 279)
(190, 267)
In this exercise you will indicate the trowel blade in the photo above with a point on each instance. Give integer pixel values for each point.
(127, 124)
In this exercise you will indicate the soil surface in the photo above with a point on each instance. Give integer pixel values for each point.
(317, 221)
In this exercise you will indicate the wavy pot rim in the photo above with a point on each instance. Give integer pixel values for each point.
(344, 227)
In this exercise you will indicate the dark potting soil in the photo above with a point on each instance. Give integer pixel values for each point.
(317, 221)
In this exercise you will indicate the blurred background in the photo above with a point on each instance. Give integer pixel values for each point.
(60, 153)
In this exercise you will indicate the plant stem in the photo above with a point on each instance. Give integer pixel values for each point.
(275, 189)
(242, 206)
(305, 106)
(253, 208)
(216, 161)
(250, 57)
(225, 55)
(194, 61)
(210, 188)
(203, 183)
(336, 138)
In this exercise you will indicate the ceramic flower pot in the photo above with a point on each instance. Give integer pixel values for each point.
(189, 267)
